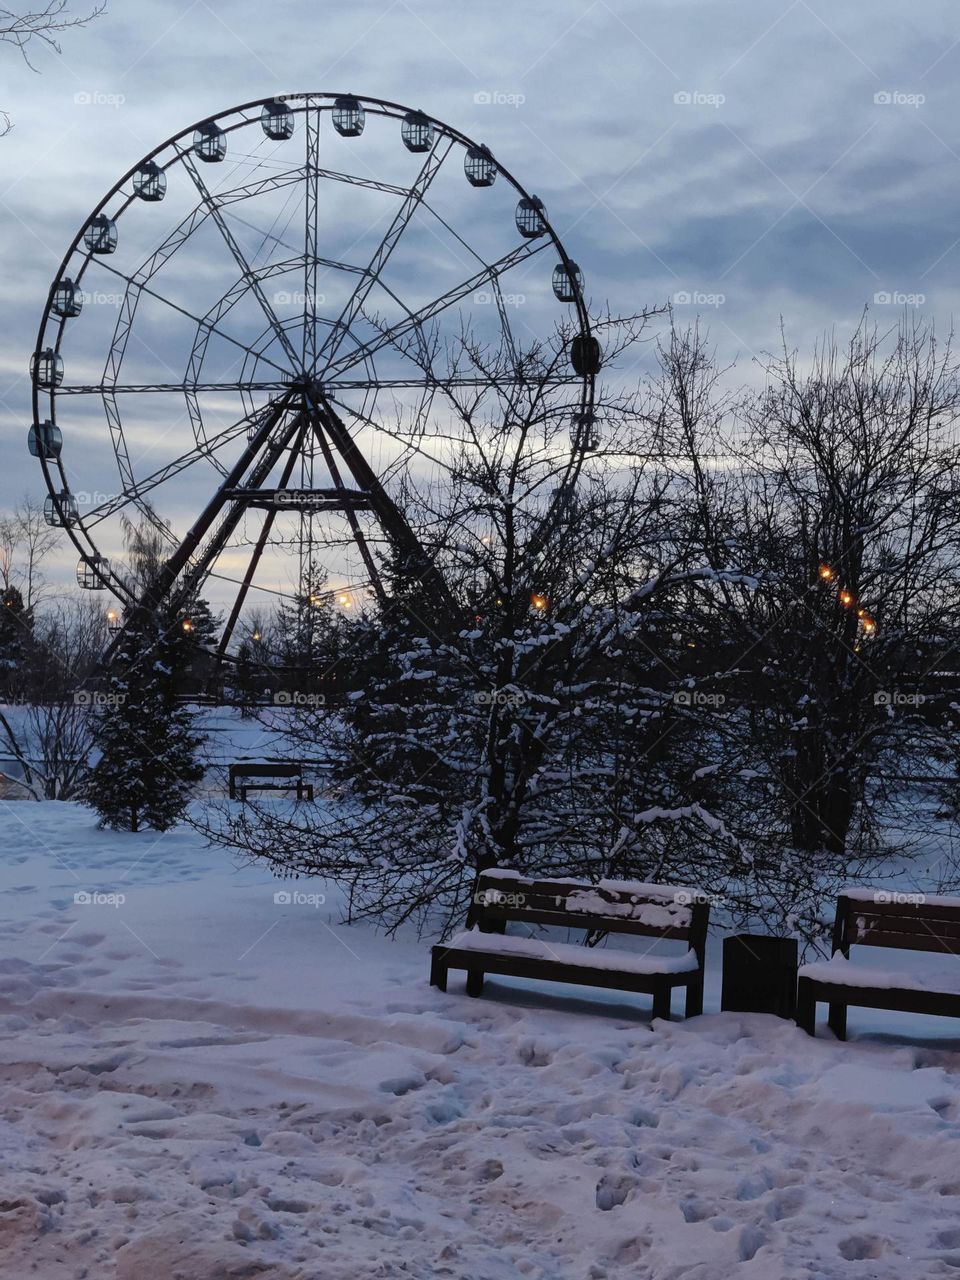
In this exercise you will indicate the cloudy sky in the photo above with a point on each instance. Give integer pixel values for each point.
(750, 159)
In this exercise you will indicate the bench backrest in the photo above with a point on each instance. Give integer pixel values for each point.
(610, 907)
(266, 769)
(906, 921)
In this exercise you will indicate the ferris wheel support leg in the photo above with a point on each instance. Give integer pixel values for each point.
(442, 609)
(258, 550)
(262, 451)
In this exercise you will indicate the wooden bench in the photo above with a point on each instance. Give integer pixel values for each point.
(280, 775)
(901, 922)
(654, 911)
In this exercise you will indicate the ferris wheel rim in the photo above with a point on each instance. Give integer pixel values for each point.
(172, 150)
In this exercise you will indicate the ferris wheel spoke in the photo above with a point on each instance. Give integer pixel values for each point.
(142, 388)
(354, 180)
(311, 234)
(245, 268)
(389, 337)
(412, 201)
(212, 328)
(139, 488)
(431, 381)
(410, 445)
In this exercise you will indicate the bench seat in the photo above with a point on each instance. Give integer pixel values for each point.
(568, 953)
(842, 972)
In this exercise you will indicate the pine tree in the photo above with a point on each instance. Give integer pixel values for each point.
(16, 632)
(148, 766)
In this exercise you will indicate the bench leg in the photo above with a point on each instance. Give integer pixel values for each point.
(837, 1020)
(438, 973)
(806, 1016)
(474, 982)
(694, 1005)
(661, 1002)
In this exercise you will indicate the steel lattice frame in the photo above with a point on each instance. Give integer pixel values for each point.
(292, 388)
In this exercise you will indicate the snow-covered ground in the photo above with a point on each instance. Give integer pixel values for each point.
(200, 1083)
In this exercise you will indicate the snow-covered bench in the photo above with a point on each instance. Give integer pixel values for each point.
(268, 775)
(611, 906)
(885, 918)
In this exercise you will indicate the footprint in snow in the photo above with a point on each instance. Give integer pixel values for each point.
(401, 1085)
(751, 1241)
(613, 1189)
(861, 1248)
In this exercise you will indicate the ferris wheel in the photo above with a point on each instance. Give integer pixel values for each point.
(250, 341)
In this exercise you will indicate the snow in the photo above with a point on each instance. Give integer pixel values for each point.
(941, 976)
(899, 897)
(203, 1082)
(610, 958)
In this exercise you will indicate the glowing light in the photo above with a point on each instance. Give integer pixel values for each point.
(538, 601)
(846, 598)
(187, 625)
(112, 615)
(826, 573)
(345, 600)
(256, 636)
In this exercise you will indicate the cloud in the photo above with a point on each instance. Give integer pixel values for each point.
(797, 159)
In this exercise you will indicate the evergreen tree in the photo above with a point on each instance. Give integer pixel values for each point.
(16, 631)
(148, 766)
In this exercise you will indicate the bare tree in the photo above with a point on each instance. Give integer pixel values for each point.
(533, 731)
(839, 495)
(39, 27)
(48, 730)
(26, 540)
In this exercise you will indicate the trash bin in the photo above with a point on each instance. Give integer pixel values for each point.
(759, 975)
